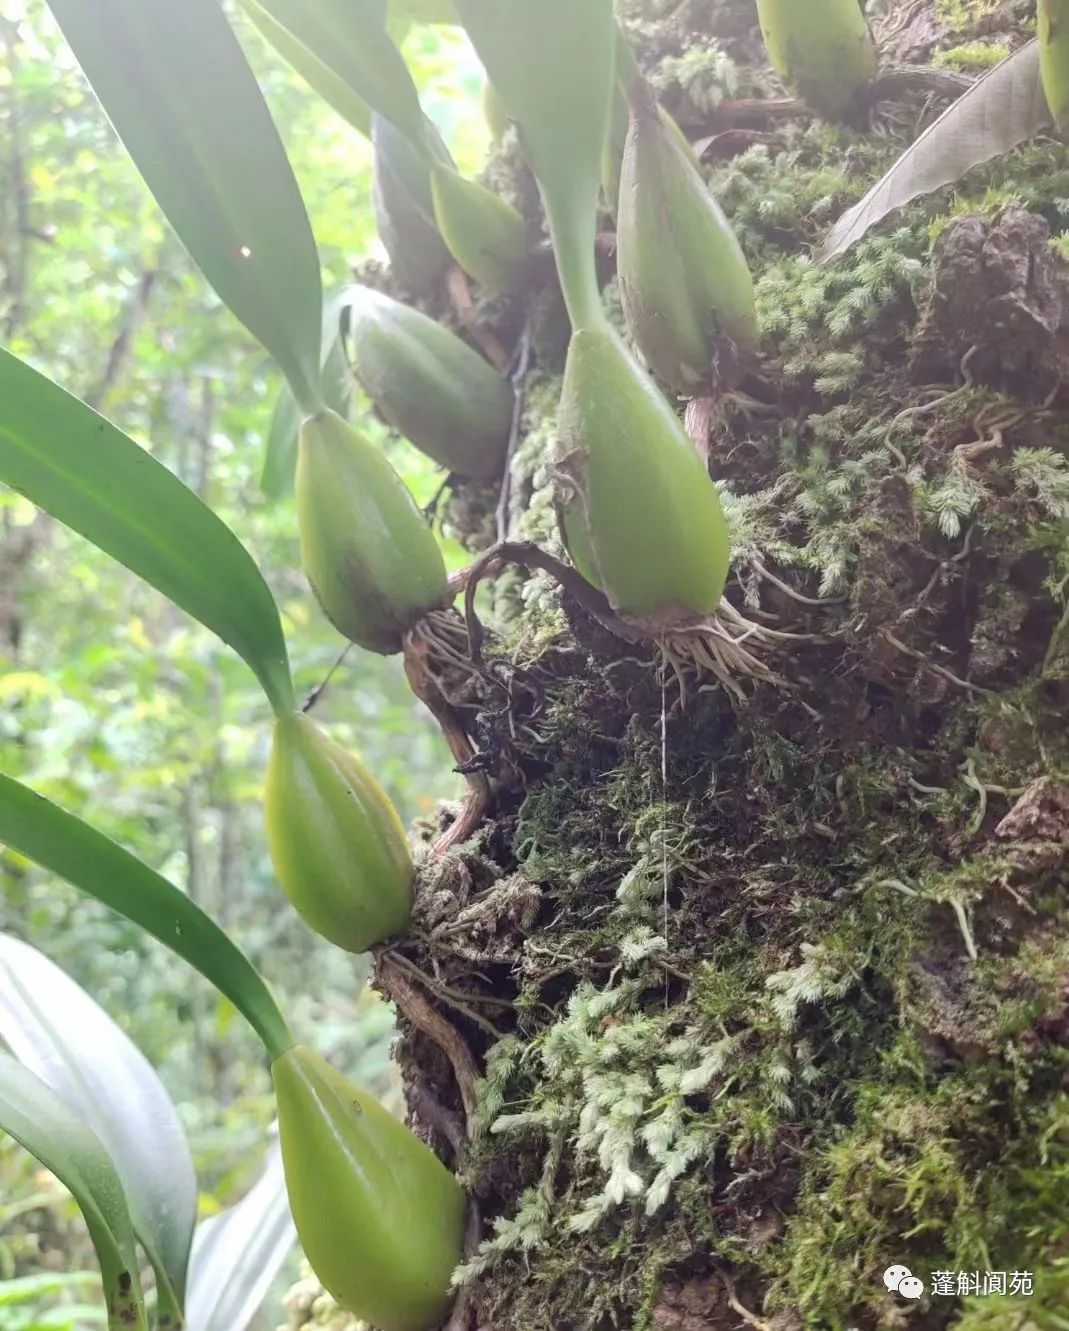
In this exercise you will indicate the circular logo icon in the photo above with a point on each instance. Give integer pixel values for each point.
(911, 1287)
(894, 1275)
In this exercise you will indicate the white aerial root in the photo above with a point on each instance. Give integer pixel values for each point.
(727, 646)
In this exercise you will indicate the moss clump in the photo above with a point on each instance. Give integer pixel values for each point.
(961, 16)
(971, 57)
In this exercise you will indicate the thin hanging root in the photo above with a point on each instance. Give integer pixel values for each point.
(426, 1018)
(440, 641)
(716, 645)
(704, 414)
(525, 554)
(438, 669)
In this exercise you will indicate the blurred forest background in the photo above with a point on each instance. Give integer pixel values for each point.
(97, 294)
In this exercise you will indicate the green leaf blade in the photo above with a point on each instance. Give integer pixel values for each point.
(98, 866)
(349, 39)
(90, 476)
(45, 1125)
(322, 80)
(179, 92)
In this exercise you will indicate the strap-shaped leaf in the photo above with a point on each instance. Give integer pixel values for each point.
(49, 1129)
(89, 475)
(280, 457)
(176, 86)
(238, 1254)
(334, 91)
(1001, 110)
(92, 862)
(349, 38)
(56, 1030)
(553, 65)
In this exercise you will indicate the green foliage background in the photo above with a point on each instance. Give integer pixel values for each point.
(115, 705)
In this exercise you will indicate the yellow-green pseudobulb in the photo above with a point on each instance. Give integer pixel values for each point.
(639, 513)
(687, 292)
(379, 1217)
(336, 843)
(370, 557)
(627, 75)
(1053, 18)
(484, 234)
(822, 49)
(430, 386)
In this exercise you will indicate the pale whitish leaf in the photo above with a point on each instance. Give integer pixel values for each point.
(1001, 110)
(238, 1254)
(57, 1031)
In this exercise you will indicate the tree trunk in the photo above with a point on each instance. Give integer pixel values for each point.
(770, 994)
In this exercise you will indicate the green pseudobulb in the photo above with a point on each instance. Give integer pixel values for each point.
(484, 234)
(370, 557)
(430, 386)
(639, 513)
(380, 1218)
(1053, 16)
(822, 49)
(336, 842)
(686, 288)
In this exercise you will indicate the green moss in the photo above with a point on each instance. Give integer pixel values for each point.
(971, 57)
(964, 15)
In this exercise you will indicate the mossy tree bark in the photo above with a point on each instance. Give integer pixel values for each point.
(767, 996)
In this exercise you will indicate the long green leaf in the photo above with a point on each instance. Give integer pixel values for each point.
(349, 39)
(45, 1125)
(553, 64)
(56, 1030)
(77, 466)
(176, 86)
(56, 840)
(321, 79)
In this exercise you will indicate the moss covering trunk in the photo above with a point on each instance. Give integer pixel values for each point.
(767, 996)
